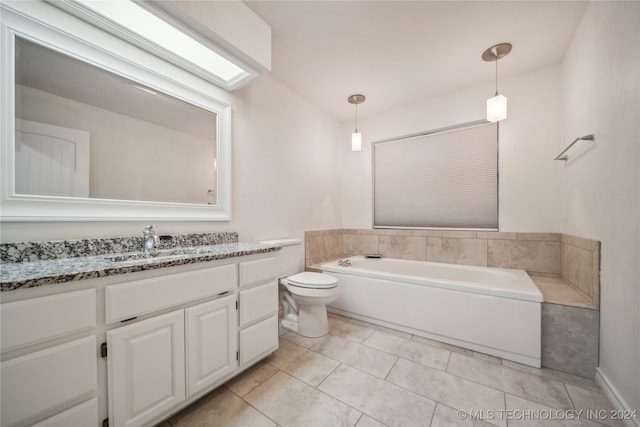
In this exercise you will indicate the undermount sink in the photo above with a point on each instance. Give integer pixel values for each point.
(162, 253)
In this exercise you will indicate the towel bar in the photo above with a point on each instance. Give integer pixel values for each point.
(560, 156)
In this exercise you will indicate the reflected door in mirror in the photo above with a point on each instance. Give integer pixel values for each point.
(51, 160)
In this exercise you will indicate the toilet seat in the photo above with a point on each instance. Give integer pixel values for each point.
(310, 280)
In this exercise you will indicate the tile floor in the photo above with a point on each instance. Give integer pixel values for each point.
(366, 376)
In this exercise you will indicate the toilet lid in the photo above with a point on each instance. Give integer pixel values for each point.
(309, 279)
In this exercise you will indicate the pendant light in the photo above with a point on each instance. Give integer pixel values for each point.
(496, 106)
(356, 137)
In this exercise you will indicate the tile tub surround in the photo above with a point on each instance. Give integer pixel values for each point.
(323, 245)
(580, 266)
(364, 375)
(534, 252)
(570, 338)
(565, 268)
(575, 260)
(28, 274)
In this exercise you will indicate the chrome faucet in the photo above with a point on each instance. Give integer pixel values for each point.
(150, 239)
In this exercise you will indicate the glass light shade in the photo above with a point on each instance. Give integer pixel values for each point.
(497, 108)
(356, 141)
(129, 15)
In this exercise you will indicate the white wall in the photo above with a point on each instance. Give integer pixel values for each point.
(601, 185)
(529, 140)
(285, 174)
(285, 169)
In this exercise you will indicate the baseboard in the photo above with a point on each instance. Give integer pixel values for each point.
(614, 397)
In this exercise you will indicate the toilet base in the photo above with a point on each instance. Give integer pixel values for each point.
(311, 321)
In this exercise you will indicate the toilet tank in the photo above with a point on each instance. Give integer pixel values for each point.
(289, 257)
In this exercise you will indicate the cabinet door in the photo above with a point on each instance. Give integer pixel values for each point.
(146, 369)
(211, 342)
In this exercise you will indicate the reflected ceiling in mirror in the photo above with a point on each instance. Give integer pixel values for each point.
(85, 132)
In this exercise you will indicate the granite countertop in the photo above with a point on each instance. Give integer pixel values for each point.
(33, 273)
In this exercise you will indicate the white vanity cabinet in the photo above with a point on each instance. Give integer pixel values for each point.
(159, 364)
(49, 360)
(258, 303)
(130, 350)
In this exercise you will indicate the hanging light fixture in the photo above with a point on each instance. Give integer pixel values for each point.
(496, 106)
(356, 137)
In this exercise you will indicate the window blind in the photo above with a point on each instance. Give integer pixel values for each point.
(440, 179)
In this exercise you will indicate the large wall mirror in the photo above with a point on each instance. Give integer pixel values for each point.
(89, 134)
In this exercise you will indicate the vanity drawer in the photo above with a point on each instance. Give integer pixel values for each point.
(258, 340)
(84, 414)
(48, 379)
(258, 302)
(258, 271)
(40, 319)
(132, 299)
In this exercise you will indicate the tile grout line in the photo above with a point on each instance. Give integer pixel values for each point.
(340, 362)
(437, 402)
(325, 378)
(315, 388)
(259, 411)
(504, 391)
(388, 373)
(433, 414)
(446, 366)
(262, 382)
(257, 385)
(333, 397)
(504, 400)
(564, 386)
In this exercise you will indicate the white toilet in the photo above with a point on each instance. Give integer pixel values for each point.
(307, 294)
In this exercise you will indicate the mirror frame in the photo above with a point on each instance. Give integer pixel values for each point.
(55, 29)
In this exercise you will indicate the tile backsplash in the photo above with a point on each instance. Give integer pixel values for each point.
(575, 259)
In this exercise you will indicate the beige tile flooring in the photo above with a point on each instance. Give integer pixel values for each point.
(364, 375)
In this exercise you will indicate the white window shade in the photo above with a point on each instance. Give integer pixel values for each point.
(440, 179)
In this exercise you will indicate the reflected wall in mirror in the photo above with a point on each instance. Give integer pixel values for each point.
(84, 132)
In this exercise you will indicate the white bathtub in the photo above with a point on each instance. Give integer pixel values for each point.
(491, 310)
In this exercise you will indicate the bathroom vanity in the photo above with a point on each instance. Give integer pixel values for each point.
(132, 347)
(97, 332)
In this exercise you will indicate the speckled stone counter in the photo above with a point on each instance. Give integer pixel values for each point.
(27, 265)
